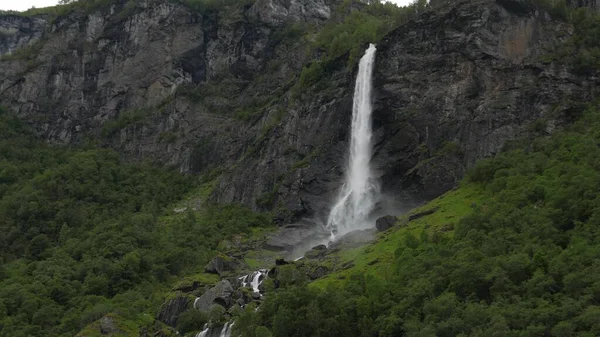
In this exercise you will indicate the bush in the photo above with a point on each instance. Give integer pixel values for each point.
(191, 320)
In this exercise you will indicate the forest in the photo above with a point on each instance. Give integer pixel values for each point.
(85, 233)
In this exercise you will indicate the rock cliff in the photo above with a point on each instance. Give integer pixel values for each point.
(214, 91)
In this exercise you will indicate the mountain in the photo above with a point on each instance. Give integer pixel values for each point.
(251, 100)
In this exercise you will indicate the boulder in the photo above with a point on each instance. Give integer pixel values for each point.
(170, 310)
(221, 264)
(108, 326)
(219, 294)
(386, 222)
(316, 252)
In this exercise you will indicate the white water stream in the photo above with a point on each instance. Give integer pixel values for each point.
(360, 191)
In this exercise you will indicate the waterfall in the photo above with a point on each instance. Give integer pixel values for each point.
(226, 332)
(256, 278)
(253, 280)
(360, 191)
(204, 332)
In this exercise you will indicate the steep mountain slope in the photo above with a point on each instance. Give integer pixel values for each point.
(219, 89)
(255, 99)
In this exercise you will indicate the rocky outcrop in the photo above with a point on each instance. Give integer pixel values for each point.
(277, 12)
(455, 85)
(222, 264)
(171, 310)
(17, 31)
(108, 325)
(220, 294)
(385, 222)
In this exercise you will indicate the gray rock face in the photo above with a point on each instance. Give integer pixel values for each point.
(171, 310)
(18, 31)
(220, 294)
(453, 86)
(385, 222)
(276, 12)
(450, 88)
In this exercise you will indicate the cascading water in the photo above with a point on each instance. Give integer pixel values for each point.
(204, 332)
(256, 278)
(226, 331)
(252, 280)
(360, 191)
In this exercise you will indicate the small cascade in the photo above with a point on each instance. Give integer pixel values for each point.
(226, 331)
(252, 280)
(256, 279)
(204, 332)
(243, 280)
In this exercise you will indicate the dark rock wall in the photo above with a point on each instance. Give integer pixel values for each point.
(455, 85)
(450, 88)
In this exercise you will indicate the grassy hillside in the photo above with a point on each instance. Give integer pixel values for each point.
(512, 252)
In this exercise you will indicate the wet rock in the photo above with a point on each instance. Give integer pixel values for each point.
(220, 294)
(386, 222)
(170, 311)
(316, 252)
(221, 264)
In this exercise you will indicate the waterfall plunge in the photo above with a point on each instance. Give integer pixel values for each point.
(360, 191)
